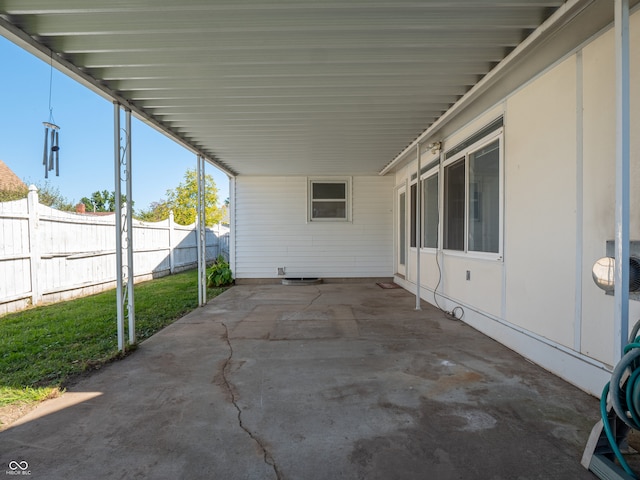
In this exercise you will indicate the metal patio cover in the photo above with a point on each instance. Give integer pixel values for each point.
(281, 87)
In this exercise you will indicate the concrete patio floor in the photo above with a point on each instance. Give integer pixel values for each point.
(332, 381)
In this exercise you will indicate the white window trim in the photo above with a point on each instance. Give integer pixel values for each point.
(348, 184)
(399, 190)
(492, 137)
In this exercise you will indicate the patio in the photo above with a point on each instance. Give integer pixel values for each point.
(331, 381)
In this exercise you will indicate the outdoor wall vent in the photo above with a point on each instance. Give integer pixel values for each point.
(603, 273)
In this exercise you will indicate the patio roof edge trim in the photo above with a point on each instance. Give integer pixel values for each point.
(44, 53)
(559, 18)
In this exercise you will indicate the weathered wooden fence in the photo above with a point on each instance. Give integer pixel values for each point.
(47, 255)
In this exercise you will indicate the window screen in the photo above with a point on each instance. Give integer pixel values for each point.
(412, 221)
(484, 199)
(454, 190)
(430, 222)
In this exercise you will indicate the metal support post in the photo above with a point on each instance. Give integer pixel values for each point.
(118, 209)
(232, 222)
(131, 312)
(124, 229)
(202, 245)
(621, 281)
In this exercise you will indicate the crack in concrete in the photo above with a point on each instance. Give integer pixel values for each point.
(314, 298)
(268, 458)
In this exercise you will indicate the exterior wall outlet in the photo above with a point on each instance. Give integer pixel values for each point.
(281, 270)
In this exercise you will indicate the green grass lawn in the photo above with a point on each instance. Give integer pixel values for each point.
(42, 348)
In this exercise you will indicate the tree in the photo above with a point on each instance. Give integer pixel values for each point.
(47, 195)
(98, 202)
(183, 201)
(156, 212)
(103, 201)
(51, 196)
(10, 195)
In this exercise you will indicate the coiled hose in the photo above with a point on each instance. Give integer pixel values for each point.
(624, 392)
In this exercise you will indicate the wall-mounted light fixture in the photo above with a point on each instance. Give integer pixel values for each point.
(434, 147)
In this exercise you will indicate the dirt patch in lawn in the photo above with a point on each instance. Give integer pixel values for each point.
(11, 413)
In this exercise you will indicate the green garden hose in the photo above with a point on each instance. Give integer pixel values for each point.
(623, 390)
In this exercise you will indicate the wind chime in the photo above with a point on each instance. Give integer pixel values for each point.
(51, 154)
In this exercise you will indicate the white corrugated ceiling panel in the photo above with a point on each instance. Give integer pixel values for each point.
(289, 86)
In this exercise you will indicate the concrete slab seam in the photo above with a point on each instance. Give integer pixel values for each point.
(268, 458)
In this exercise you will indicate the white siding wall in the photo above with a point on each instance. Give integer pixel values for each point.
(272, 231)
(559, 151)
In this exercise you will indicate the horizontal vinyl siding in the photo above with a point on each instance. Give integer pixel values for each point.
(272, 230)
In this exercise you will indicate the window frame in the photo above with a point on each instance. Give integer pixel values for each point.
(346, 181)
(413, 205)
(432, 172)
(464, 154)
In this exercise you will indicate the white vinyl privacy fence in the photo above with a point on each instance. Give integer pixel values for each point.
(47, 255)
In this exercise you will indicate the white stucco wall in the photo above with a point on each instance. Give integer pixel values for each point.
(485, 287)
(598, 139)
(540, 204)
(272, 230)
(559, 188)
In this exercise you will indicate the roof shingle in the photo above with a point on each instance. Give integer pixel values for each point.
(9, 181)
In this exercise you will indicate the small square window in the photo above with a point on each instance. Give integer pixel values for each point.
(329, 200)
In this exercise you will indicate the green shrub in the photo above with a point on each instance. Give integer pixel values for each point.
(219, 273)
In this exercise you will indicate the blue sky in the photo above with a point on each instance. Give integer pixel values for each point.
(86, 136)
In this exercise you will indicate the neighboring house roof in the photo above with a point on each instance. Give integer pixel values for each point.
(82, 210)
(9, 181)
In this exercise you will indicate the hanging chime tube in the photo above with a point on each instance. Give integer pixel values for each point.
(51, 156)
(56, 149)
(46, 150)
